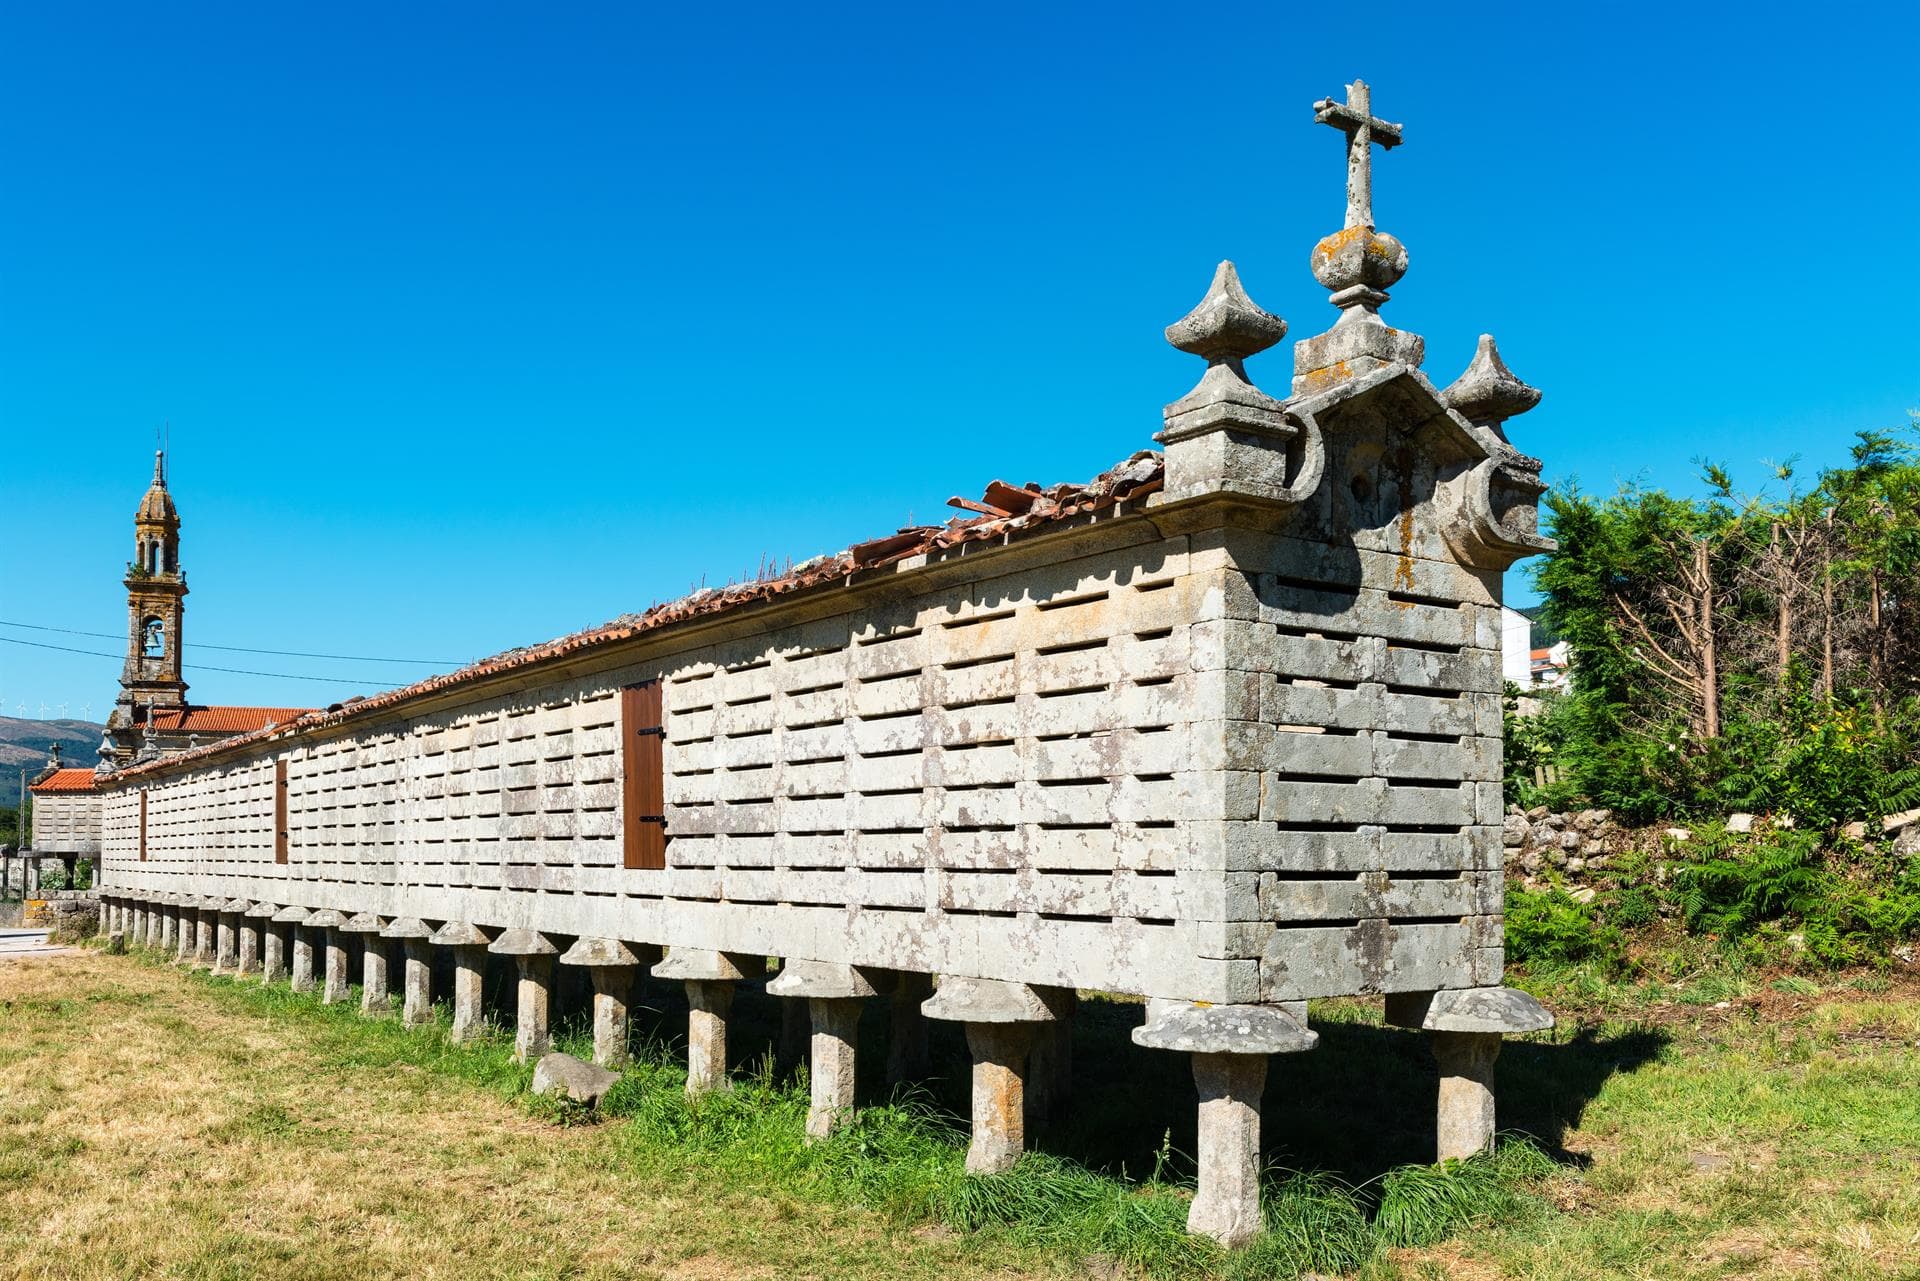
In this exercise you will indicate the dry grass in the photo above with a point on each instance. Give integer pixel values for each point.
(149, 1130)
(156, 1124)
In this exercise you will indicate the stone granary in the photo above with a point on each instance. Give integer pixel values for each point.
(1219, 729)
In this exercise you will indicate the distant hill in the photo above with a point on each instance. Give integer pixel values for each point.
(23, 745)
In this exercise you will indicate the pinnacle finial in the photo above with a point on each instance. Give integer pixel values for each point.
(1226, 326)
(160, 468)
(1488, 393)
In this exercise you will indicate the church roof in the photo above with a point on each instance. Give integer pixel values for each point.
(157, 506)
(200, 718)
(64, 780)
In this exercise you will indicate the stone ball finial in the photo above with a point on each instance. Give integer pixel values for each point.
(1488, 392)
(1359, 257)
(1226, 325)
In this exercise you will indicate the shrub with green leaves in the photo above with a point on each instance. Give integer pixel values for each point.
(1551, 927)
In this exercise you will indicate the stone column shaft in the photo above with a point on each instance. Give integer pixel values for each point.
(708, 1001)
(534, 999)
(999, 1095)
(836, 1032)
(612, 993)
(336, 977)
(907, 1028)
(301, 976)
(184, 928)
(417, 1007)
(203, 935)
(273, 952)
(1226, 1206)
(249, 948)
(1465, 1122)
(375, 996)
(223, 957)
(469, 984)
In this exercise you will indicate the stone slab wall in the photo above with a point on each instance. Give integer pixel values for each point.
(67, 823)
(1229, 760)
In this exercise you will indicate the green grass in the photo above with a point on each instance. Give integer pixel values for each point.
(1703, 1123)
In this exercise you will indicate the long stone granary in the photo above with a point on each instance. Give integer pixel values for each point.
(1220, 729)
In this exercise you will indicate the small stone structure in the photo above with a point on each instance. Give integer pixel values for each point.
(1220, 729)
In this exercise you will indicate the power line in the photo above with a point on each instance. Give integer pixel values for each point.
(204, 667)
(244, 649)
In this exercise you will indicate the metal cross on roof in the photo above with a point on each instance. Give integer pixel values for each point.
(1355, 119)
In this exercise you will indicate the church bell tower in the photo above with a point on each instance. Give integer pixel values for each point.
(156, 594)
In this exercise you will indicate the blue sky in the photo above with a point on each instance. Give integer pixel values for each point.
(479, 324)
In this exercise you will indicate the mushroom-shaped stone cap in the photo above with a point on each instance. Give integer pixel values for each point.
(698, 965)
(1486, 1009)
(965, 1000)
(523, 943)
(591, 951)
(1224, 1029)
(460, 934)
(326, 919)
(362, 923)
(1488, 392)
(822, 980)
(235, 905)
(263, 911)
(406, 927)
(1226, 324)
(291, 916)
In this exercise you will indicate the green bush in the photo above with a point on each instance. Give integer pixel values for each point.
(1849, 905)
(1550, 927)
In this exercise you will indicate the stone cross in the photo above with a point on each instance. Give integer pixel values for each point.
(1355, 119)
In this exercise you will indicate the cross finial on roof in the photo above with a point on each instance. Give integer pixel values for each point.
(1355, 118)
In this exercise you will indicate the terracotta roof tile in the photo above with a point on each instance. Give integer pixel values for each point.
(64, 780)
(202, 719)
(1004, 512)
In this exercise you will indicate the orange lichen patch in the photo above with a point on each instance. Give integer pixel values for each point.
(1403, 567)
(1332, 376)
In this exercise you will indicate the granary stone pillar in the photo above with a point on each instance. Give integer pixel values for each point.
(1001, 1019)
(186, 915)
(709, 977)
(1050, 1062)
(907, 1027)
(469, 945)
(1230, 1045)
(138, 933)
(206, 925)
(613, 966)
(228, 960)
(150, 928)
(1465, 1027)
(416, 1006)
(327, 923)
(375, 992)
(834, 995)
(256, 930)
(533, 954)
(289, 930)
(163, 924)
